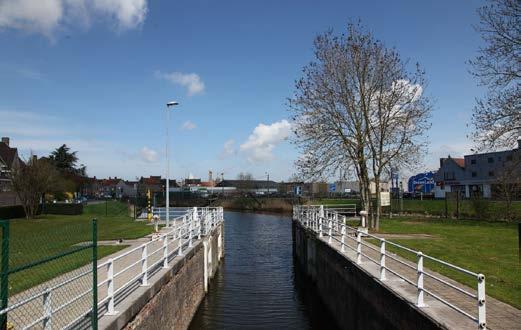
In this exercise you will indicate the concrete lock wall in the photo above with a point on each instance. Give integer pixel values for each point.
(171, 302)
(354, 298)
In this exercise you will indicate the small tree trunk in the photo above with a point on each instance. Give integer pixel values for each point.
(376, 224)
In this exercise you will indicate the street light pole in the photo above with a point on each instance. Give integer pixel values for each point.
(167, 192)
(268, 183)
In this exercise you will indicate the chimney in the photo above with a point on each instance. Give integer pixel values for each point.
(210, 176)
(5, 140)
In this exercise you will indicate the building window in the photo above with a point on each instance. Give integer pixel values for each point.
(490, 159)
(473, 161)
(474, 174)
(491, 173)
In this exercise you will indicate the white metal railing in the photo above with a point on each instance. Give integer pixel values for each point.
(329, 223)
(118, 274)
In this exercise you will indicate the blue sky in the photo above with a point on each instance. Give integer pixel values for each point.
(97, 74)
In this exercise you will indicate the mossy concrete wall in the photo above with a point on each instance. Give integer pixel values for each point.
(354, 297)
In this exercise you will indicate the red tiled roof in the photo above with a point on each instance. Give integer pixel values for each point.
(460, 162)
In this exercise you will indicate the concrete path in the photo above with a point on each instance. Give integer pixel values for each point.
(499, 314)
(129, 265)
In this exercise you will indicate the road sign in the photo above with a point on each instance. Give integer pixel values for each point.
(332, 187)
(385, 198)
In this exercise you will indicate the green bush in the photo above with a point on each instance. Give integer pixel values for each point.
(63, 209)
(12, 212)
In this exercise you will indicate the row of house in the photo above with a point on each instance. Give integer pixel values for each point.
(479, 174)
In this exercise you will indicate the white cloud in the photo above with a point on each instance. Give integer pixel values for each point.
(264, 138)
(188, 125)
(129, 13)
(47, 16)
(148, 155)
(228, 149)
(191, 81)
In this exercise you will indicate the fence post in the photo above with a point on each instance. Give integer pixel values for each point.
(320, 221)
(330, 230)
(180, 243)
(190, 229)
(358, 246)
(47, 309)
(419, 282)
(165, 251)
(482, 312)
(110, 287)
(94, 320)
(343, 238)
(144, 265)
(4, 269)
(382, 260)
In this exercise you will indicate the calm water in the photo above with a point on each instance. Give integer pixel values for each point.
(257, 285)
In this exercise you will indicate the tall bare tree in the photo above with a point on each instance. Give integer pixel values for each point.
(357, 107)
(497, 117)
(32, 180)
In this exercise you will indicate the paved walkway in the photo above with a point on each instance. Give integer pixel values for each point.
(499, 314)
(129, 265)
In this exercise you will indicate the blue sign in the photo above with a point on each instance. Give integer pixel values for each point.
(297, 190)
(422, 182)
(332, 187)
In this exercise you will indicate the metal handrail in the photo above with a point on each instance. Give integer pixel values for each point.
(194, 221)
(328, 223)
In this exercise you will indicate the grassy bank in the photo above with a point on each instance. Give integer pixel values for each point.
(49, 235)
(260, 204)
(490, 248)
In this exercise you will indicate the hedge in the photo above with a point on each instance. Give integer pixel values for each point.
(12, 212)
(63, 209)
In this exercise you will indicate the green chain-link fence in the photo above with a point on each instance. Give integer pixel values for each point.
(47, 280)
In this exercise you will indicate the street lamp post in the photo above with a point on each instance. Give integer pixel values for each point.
(268, 183)
(167, 190)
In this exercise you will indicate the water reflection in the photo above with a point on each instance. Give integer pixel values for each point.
(258, 286)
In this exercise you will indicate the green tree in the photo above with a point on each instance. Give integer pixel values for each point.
(66, 161)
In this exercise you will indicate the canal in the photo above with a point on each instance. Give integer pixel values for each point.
(258, 285)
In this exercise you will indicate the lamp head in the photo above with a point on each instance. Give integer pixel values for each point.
(172, 103)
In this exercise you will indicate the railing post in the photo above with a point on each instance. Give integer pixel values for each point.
(165, 251)
(110, 287)
(320, 220)
(419, 282)
(358, 246)
(343, 248)
(180, 245)
(330, 232)
(190, 229)
(482, 312)
(47, 309)
(144, 265)
(382, 260)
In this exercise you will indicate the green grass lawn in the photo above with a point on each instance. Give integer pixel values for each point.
(490, 248)
(48, 235)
